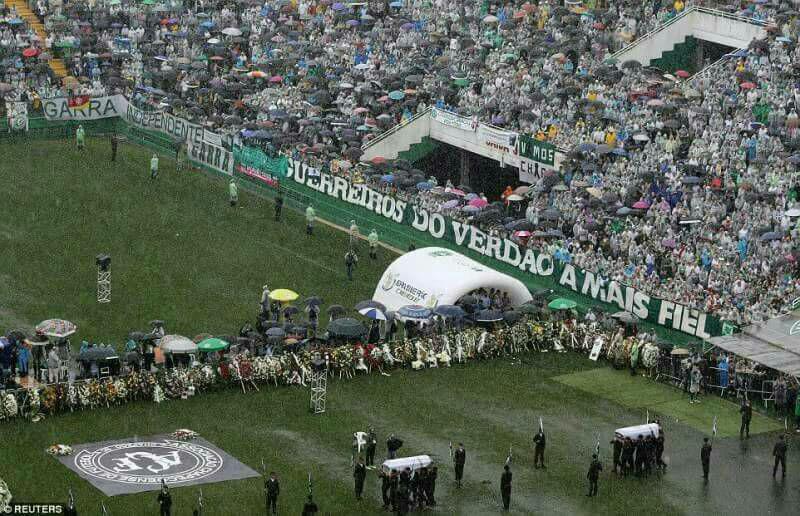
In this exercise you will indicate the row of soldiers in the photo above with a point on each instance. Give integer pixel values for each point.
(639, 457)
(405, 490)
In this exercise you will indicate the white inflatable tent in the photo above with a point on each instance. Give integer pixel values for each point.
(435, 276)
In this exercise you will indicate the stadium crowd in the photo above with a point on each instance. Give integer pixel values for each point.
(683, 187)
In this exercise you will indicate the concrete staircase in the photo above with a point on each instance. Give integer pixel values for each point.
(24, 12)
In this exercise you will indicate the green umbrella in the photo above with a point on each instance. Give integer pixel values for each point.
(562, 304)
(461, 81)
(212, 344)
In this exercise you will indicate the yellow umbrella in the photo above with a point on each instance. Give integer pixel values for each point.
(284, 295)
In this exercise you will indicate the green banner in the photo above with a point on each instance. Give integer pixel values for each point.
(259, 160)
(534, 267)
(538, 151)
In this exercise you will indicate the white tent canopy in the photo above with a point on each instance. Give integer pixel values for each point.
(435, 276)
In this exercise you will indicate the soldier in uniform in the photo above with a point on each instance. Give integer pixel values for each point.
(617, 444)
(594, 474)
(273, 489)
(505, 487)
(431, 491)
(705, 457)
(459, 459)
(350, 261)
(386, 484)
(310, 508)
(164, 500)
(359, 474)
(371, 445)
(278, 207)
(747, 414)
(779, 452)
(627, 456)
(394, 484)
(538, 452)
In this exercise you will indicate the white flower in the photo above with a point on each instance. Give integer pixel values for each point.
(5, 495)
(158, 393)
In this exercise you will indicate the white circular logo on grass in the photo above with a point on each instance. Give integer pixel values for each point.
(150, 462)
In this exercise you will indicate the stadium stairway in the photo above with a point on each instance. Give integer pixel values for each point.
(24, 12)
(699, 22)
(399, 138)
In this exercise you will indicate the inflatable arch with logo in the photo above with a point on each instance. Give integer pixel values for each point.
(435, 276)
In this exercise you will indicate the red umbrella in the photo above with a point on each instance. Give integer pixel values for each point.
(522, 234)
(683, 74)
(641, 205)
(478, 202)
(378, 160)
(30, 52)
(276, 79)
(747, 85)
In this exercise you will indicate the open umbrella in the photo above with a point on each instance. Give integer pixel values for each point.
(346, 327)
(369, 303)
(276, 332)
(212, 344)
(450, 311)
(96, 353)
(373, 313)
(626, 317)
(177, 344)
(414, 312)
(489, 316)
(562, 304)
(58, 328)
(284, 295)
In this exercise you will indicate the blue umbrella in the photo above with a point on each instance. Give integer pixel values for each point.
(414, 312)
(619, 152)
(424, 185)
(397, 95)
(338, 6)
(388, 178)
(396, 4)
(207, 24)
(794, 160)
(352, 23)
(624, 211)
(373, 313)
(450, 311)
(470, 209)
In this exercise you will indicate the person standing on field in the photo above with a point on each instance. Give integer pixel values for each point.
(373, 244)
(311, 216)
(154, 166)
(80, 137)
(233, 193)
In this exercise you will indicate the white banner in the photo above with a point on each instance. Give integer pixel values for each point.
(84, 107)
(165, 123)
(500, 144)
(212, 138)
(454, 120)
(212, 156)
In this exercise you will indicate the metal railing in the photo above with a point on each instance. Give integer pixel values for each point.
(687, 12)
(394, 129)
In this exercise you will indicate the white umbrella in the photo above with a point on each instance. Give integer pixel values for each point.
(794, 212)
(213, 41)
(58, 328)
(177, 344)
(515, 198)
(232, 31)
(373, 313)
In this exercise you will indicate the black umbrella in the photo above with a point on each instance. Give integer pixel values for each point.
(370, 304)
(489, 316)
(346, 327)
(98, 353)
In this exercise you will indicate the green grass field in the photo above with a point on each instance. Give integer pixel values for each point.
(180, 253)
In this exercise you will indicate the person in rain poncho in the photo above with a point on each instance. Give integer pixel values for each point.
(154, 166)
(311, 216)
(373, 244)
(80, 137)
(233, 192)
(354, 234)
